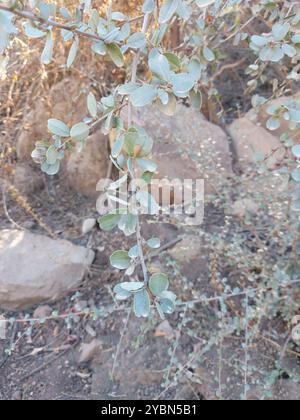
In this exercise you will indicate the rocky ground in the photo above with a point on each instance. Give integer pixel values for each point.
(62, 335)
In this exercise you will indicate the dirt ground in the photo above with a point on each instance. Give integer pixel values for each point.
(134, 360)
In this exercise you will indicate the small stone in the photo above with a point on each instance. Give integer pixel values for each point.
(243, 207)
(17, 396)
(3, 328)
(90, 331)
(164, 330)
(42, 312)
(87, 351)
(88, 225)
(188, 249)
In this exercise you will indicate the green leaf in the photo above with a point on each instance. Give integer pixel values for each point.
(132, 286)
(147, 165)
(65, 13)
(52, 155)
(182, 84)
(296, 175)
(117, 147)
(168, 295)
(158, 284)
(48, 49)
(58, 128)
(296, 39)
(67, 35)
(121, 294)
(130, 141)
(259, 41)
(163, 97)
(170, 108)
(147, 202)
(137, 40)
(273, 54)
(289, 50)
(92, 105)
(148, 6)
(195, 69)
(280, 31)
(184, 10)
(50, 169)
(72, 53)
(173, 60)
(33, 32)
(160, 311)
(294, 114)
(134, 252)
(80, 131)
(196, 99)
(118, 17)
(120, 260)
(128, 223)
(141, 304)
(205, 3)
(296, 205)
(154, 243)
(143, 96)
(159, 65)
(273, 124)
(99, 48)
(296, 151)
(208, 54)
(109, 221)
(128, 88)
(167, 306)
(111, 36)
(135, 138)
(167, 10)
(115, 54)
(147, 177)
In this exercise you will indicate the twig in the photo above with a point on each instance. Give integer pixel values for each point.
(133, 80)
(6, 209)
(232, 295)
(49, 22)
(164, 248)
(44, 365)
(246, 346)
(238, 30)
(119, 345)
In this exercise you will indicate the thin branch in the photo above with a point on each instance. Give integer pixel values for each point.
(233, 295)
(49, 22)
(120, 345)
(246, 346)
(133, 79)
(15, 224)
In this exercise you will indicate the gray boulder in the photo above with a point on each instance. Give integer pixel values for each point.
(36, 269)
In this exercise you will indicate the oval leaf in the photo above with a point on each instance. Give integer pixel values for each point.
(120, 260)
(158, 284)
(141, 304)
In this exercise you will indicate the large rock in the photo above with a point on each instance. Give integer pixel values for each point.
(250, 139)
(259, 116)
(85, 169)
(66, 101)
(187, 146)
(35, 269)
